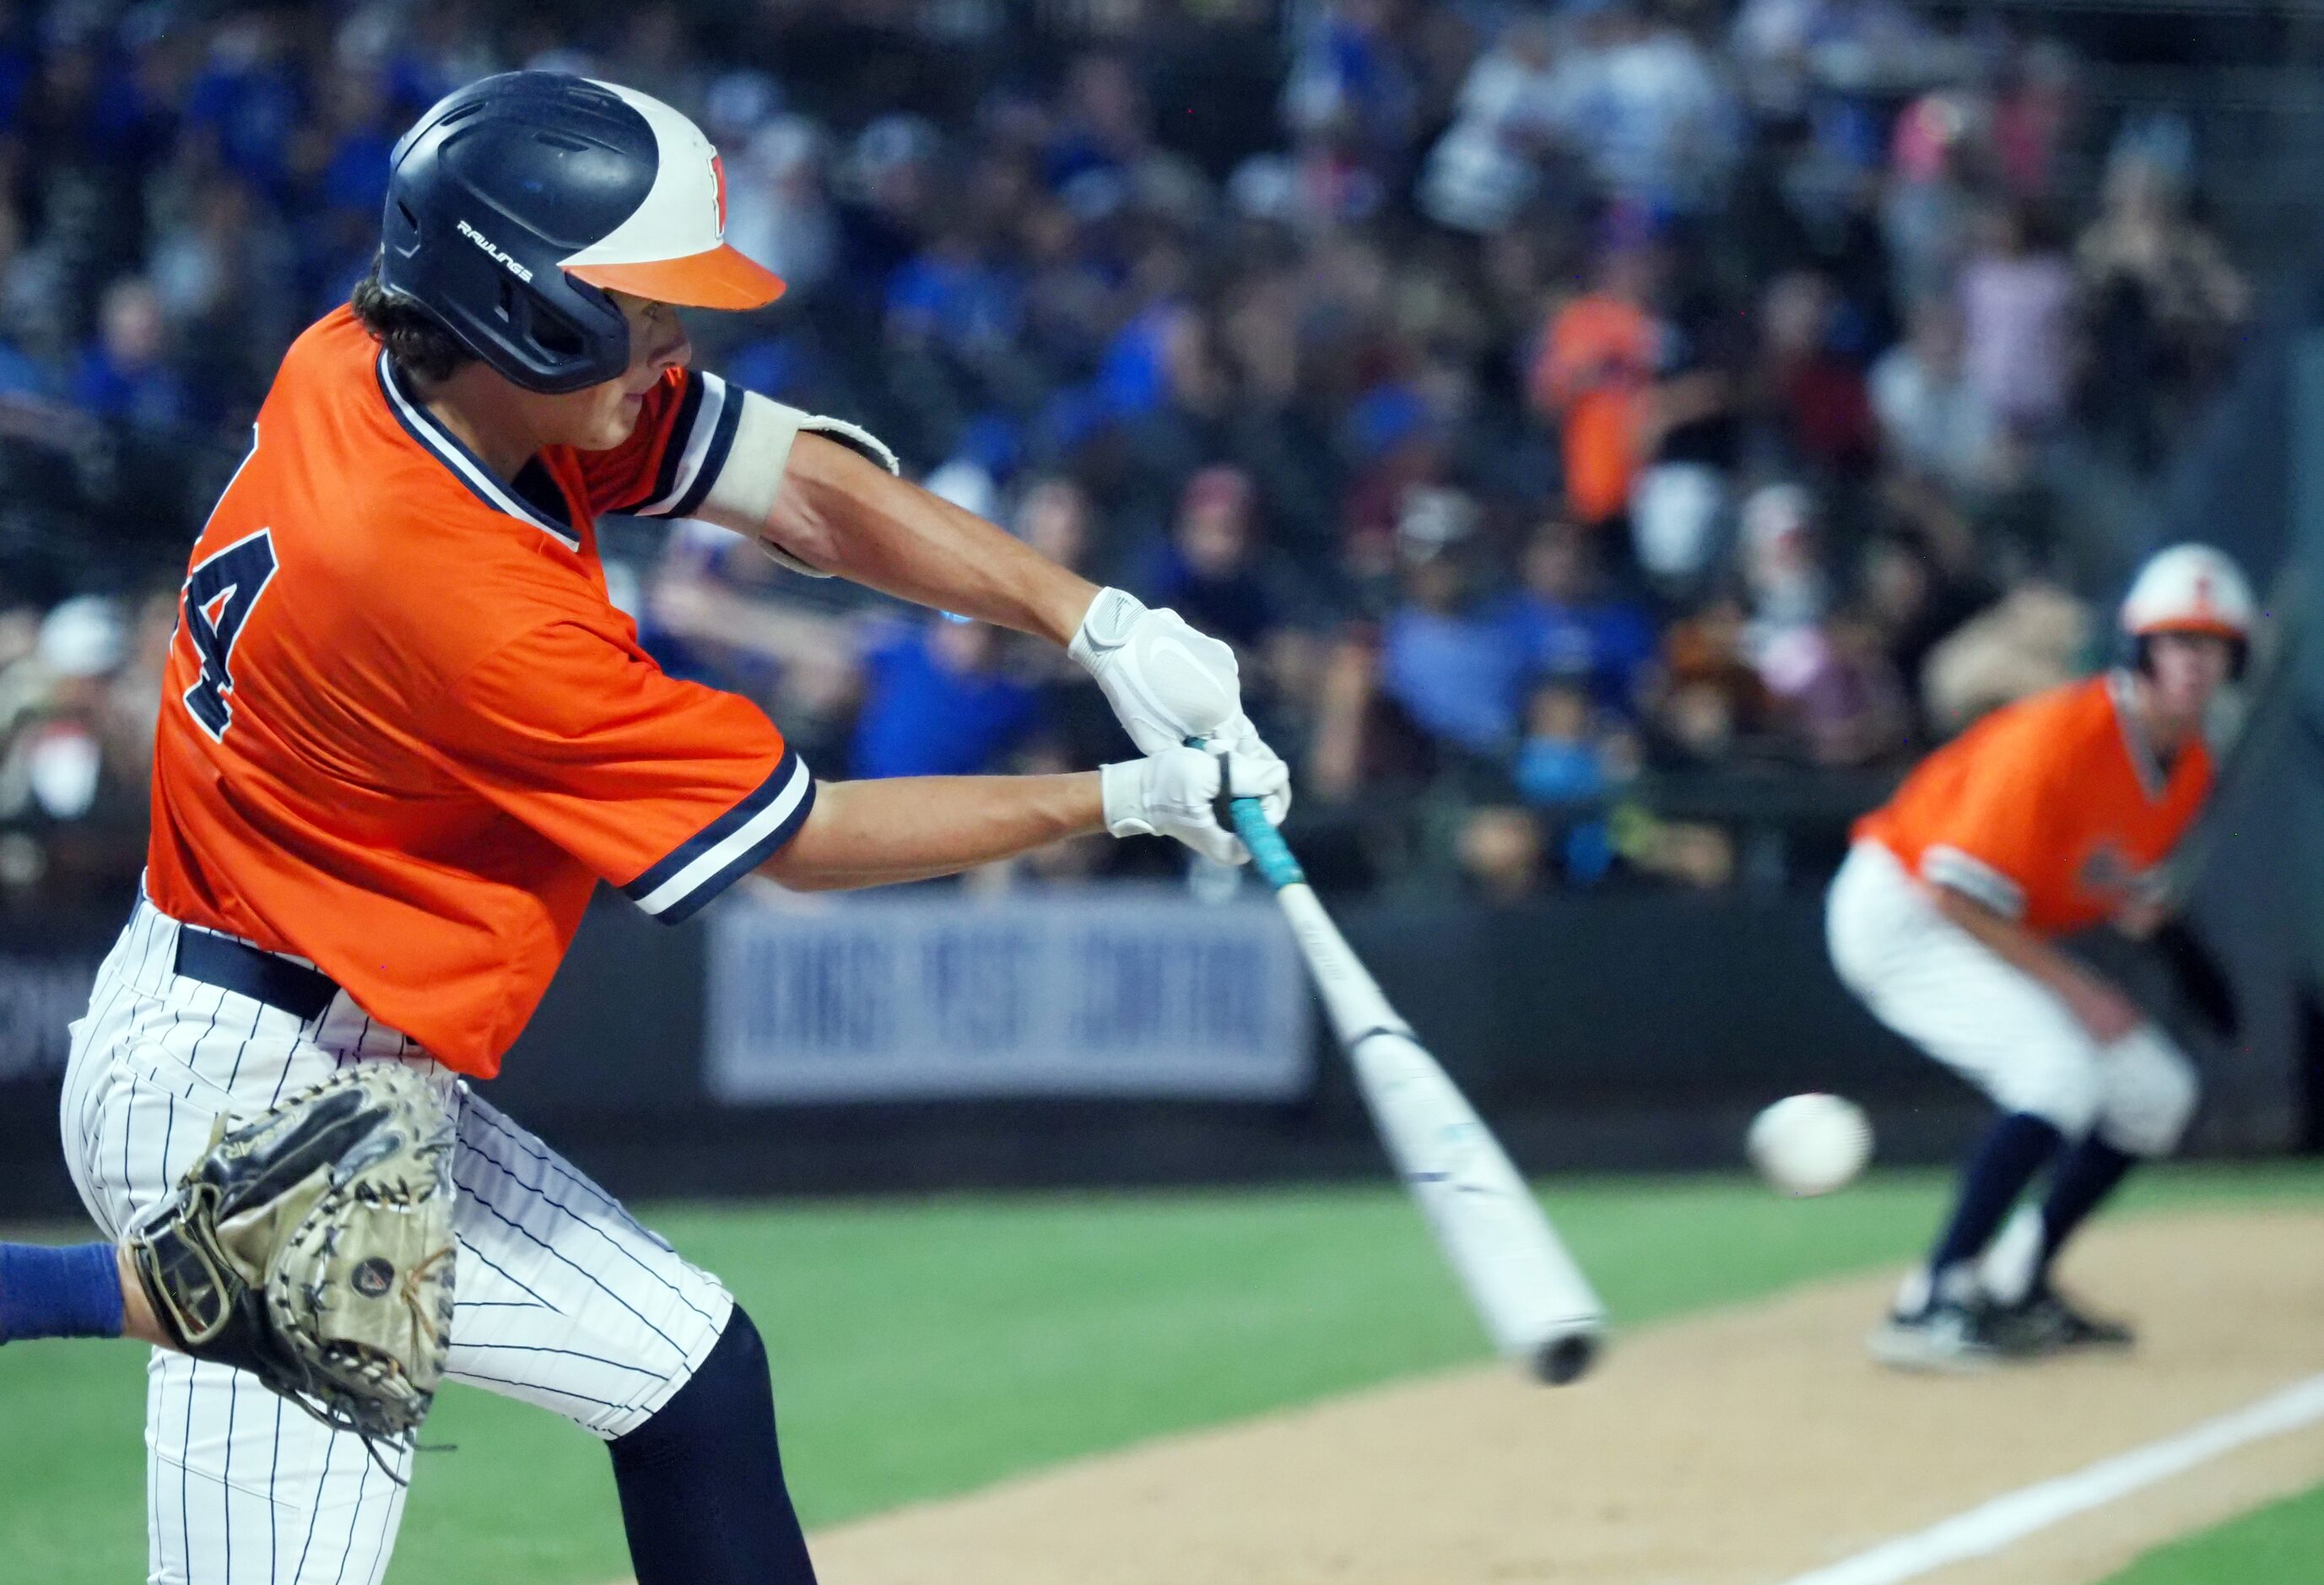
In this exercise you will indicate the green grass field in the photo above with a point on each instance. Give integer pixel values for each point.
(2280, 1545)
(927, 1348)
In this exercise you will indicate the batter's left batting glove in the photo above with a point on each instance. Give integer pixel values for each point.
(1175, 793)
(1167, 683)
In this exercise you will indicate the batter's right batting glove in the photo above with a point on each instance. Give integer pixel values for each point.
(1175, 793)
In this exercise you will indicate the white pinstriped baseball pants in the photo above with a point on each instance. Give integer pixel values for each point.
(562, 1299)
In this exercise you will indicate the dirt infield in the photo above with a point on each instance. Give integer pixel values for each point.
(1745, 1448)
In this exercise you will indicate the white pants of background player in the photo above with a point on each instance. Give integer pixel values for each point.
(1997, 1026)
(562, 1300)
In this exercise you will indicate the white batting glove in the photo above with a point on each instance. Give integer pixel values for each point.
(1167, 683)
(1260, 771)
(1175, 793)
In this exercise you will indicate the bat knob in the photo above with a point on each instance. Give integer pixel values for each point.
(1565, 1359)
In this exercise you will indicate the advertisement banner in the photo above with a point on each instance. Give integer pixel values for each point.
(1121, 992)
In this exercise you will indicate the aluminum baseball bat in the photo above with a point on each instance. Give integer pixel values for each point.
(1535, 1302)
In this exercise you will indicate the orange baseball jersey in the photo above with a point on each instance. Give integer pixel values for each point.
(2052, 810)
(403, 731)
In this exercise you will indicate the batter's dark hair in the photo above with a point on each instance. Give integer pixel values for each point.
(414, 337)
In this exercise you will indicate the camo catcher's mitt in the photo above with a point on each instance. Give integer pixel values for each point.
(311, 1245)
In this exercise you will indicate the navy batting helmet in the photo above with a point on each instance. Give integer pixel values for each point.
(518, 201)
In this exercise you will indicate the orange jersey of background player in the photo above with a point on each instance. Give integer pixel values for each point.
(2052, 811)
(404, 732)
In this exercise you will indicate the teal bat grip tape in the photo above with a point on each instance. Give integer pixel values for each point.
(1269, 852)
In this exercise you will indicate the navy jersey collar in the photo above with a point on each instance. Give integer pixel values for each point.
(533, 498)
(2153, 771)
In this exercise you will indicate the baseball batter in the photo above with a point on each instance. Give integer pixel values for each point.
(2048, 816)
(404, 735)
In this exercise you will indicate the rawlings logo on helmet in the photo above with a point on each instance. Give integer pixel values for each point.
(478, 238)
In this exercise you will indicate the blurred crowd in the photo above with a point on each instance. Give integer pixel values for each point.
(1552, 402)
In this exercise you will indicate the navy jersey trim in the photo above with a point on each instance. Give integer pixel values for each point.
(681, 429)
(463, 464)
(2153, 771)
(700, 438)
(737, 841)
(538, 488)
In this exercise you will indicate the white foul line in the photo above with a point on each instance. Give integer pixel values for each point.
(1987, 1529)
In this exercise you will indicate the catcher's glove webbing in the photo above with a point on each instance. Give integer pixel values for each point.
(311, 1245)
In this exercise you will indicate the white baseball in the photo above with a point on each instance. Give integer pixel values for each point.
(1809, 1144)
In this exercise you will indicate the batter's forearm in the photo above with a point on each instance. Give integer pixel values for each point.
(842, 514)
(916, 827)
(2008, 940)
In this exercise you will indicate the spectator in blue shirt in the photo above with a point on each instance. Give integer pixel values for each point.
(1103, 125)
(123, 377)
(248, 98)
(952, 295)
(1208, 569)
(939, 700)
(1455, 666)
(1567, 767)
(1571, 628)
(360, 129)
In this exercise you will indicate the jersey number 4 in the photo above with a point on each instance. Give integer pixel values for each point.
(220, 593)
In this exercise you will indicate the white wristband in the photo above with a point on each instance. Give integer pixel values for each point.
(1122, 789)
(1104, 625)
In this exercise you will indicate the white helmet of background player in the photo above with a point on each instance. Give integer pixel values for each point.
(2191, 589)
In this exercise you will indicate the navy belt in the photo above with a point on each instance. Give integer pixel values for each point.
(237, 966)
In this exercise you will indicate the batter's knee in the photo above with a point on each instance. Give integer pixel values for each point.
(701, 1483)
(2151, 1094)
(2062, 1087)
(729, 1399)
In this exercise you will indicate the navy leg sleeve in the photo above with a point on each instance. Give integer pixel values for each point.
(2004, 1162)
(702, 1482)
(2091, 1172)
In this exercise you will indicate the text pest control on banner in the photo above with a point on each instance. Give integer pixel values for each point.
(1144, 993)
